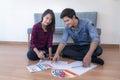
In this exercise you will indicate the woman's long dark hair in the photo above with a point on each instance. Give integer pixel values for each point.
(52, 24)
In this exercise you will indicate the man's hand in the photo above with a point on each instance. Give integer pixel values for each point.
(56, 57)
(86, 61)
(50, 58)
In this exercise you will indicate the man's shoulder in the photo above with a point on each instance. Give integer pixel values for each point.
(86, 20)
(66, 28)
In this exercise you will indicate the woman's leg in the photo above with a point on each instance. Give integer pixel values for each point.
(54, 48)
(32, 55)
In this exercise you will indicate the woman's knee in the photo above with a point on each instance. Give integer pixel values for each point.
(32, 56)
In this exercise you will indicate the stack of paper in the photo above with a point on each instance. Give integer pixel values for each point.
(77, 67)
(70, 70)
(46, 64)
(38, 67)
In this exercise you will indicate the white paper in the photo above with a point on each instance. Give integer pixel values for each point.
(46, 64)
(33, 68)
(55, 65)
(77, 67)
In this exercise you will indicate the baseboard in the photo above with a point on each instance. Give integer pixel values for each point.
(13, 42)
(110, 45)
(26, 43)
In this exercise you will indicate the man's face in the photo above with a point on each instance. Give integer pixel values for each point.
(68, 21)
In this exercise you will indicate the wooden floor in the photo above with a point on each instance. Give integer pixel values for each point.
(13, 62)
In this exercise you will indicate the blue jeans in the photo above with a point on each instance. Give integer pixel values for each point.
(78, 52)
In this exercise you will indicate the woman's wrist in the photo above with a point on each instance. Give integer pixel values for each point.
(41, 52)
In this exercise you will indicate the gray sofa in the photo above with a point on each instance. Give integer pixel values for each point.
(60, 24)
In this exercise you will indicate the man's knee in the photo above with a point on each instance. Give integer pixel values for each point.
(98, 51)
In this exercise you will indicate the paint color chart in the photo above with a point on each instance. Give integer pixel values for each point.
(62, 73)
(38, 67)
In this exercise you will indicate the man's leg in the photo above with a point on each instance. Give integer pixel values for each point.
(78, 52)
(97, 53)
(72, 51)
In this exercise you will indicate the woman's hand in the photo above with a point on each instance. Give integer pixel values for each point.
(41, 55)
(50, 57)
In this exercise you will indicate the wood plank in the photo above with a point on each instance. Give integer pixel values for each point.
(13, 62)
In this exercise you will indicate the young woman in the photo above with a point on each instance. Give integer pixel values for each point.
(42, 36)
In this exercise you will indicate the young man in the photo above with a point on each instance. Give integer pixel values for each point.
(85, 38)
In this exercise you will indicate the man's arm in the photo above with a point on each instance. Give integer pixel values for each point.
(88, 56)
(61, 45)
(95, 41)
(59, 50)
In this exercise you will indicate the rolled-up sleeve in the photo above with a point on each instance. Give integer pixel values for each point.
(93, 33)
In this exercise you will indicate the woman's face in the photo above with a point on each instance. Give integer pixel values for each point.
(47, 19)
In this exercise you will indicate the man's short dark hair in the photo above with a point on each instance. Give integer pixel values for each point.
(68, 12)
